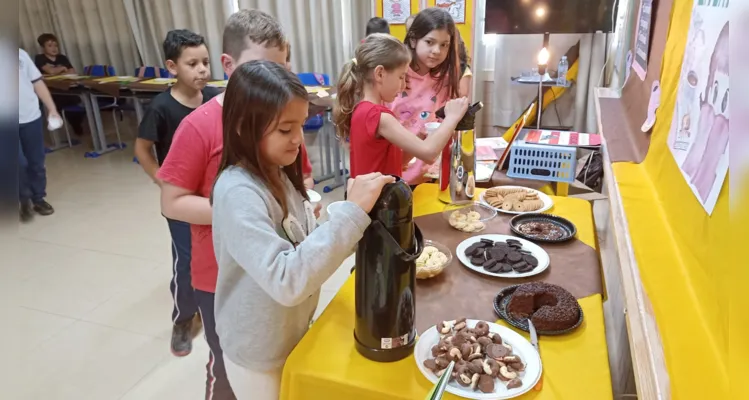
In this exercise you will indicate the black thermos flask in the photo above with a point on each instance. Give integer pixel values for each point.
(385, 277)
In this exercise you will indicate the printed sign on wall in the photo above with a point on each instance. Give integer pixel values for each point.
(396, 12)
(456, 8)
(698, 138)
(642, 38)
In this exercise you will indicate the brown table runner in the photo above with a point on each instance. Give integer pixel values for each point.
(461, 292)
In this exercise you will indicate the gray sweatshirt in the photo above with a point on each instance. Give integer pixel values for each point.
(267, 290)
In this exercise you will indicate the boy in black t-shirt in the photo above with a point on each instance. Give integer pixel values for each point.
(187, 59)
(50, 61)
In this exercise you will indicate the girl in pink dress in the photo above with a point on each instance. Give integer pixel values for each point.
(432, 78)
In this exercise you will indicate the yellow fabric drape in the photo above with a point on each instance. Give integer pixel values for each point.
(326, 366)
(681, 251)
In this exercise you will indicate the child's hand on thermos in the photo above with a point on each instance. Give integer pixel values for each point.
(365, 189)
(455, 109)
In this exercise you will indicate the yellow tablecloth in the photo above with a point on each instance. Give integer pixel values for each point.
(326, 366)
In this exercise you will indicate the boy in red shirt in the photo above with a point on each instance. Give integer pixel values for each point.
(190, 169)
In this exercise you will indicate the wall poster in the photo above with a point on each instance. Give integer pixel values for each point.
(456, 8)
(698, 138)
(396, 12)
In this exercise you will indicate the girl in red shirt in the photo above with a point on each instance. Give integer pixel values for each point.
(379, 143)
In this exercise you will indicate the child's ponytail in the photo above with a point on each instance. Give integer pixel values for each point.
(377, 49)
(348, 92)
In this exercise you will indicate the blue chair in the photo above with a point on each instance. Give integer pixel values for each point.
(151, 72)
(104, 103)
(148, 72)
(314, 122)
(99, 70)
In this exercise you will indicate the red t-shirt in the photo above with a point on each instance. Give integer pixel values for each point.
(371, 152)
(192, 163)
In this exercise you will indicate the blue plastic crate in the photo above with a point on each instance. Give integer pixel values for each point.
(542, 162)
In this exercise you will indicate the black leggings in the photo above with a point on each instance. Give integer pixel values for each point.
(217, 384)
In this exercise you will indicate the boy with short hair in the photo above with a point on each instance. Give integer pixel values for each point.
(187, 60)
(190, 169)
(377, 25)
(50, 61)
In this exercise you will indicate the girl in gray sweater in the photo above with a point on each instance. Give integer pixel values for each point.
(272, 256)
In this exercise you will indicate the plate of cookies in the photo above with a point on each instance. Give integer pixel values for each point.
(468, 216)
(516, 200)
(502, 256)
(491, 361)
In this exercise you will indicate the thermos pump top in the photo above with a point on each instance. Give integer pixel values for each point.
(458, 163)
(385, 277)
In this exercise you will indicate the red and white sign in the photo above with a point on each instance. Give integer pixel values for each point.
(563, 138)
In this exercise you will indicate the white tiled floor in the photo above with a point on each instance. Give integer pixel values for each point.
(84, 293)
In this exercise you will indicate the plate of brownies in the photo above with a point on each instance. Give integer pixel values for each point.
(502, 256)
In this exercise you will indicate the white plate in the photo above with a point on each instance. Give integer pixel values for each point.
(520, 347)
(548, 202)
(538, 252)
(314, 197)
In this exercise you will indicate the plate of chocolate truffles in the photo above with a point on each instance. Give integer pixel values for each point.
(543, 228)
(502, 256)
(491, 361)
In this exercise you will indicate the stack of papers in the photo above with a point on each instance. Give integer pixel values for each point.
(496, 143)
(485, 170)
(160, 81)
(113, 79)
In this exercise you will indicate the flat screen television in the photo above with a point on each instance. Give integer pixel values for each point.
(553, 16)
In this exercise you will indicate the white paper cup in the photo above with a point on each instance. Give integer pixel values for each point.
(54, 123)
(332, 206)
(314, 197)
(431, 127)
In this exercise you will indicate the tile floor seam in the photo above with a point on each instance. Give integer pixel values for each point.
(86, 322)
(142, 378)
(93, 250)
(49, 312)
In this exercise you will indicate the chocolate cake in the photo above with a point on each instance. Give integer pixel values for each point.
(549, 307)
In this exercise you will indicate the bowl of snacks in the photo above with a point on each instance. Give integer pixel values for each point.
(468, 216)
(433, 260)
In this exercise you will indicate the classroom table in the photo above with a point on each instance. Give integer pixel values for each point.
(147, 89)
(326, 365)
(107, 87)
(68, 87)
